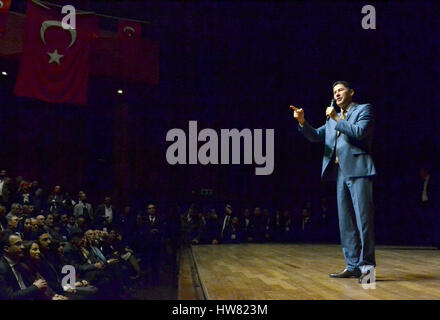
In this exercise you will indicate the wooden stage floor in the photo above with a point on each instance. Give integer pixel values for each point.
(300, 271)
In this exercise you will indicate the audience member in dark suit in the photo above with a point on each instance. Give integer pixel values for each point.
(193, 226)
(16, 210)
(41, 219)
(154, 237)
(28, 211)
(277, 226)
(27, 230)
(3, 177)
(326, 223)
(92, 267)
(3, 220)
(226, 222)
(127, 225)
(63, 227)
(50, 267)
(113, 268)
(138, 236)
(7, 192)
(429, 216)
(37, 195)
(115, 247)
(71, 225)
(233, 234)
(12, 277)
(76, 255)
(68, 204)
(106, 214)
(211, 230)
(307, 233)
(81, 224)
(13, 225)
(84, 209)
(288, 232)
(268, 225)
(51, 228)
(247, 227)
(55, 200)
(259, 226)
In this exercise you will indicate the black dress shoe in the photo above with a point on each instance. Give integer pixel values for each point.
(356, 273)
(363, 276)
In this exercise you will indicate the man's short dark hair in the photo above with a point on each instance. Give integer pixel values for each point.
(40, 233)
(344, 83)
(5, 241)
(76, 233)
(427, 166)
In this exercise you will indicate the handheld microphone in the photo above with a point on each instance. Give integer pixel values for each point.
(332, 104)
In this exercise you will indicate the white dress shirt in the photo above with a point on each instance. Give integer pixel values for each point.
(109, 214)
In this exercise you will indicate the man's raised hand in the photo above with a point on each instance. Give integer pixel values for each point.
(330, 112)
(298, 114)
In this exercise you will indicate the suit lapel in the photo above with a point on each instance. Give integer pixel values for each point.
(350, 112)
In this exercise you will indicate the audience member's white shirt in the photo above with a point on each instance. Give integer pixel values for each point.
(1, 186)
(109, 214)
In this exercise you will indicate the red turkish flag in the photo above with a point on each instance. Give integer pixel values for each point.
(4, 12)
(139, 57)
(129, 30)
(104, 57)
(54, 62)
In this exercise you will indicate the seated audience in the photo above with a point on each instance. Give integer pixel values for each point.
(31, 263)
(15, 280)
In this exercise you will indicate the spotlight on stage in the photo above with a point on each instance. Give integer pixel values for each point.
(120, 91)
(4, 73)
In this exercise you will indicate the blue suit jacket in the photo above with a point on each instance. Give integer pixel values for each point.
(353, 144)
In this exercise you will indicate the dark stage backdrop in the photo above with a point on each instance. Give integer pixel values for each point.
(240, 65)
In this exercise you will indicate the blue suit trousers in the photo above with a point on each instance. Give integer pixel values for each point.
(356, 223)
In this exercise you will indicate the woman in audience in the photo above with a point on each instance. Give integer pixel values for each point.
(27, 230)
(32, 265)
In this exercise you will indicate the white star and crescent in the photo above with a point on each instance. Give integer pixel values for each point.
(128, 28)
(55, 56)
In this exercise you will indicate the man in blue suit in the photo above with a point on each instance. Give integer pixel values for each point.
(347, 138)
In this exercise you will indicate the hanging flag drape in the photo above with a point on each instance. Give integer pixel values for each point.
(54, 62)
(128, 56)
(4, 12)
(139, 58)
